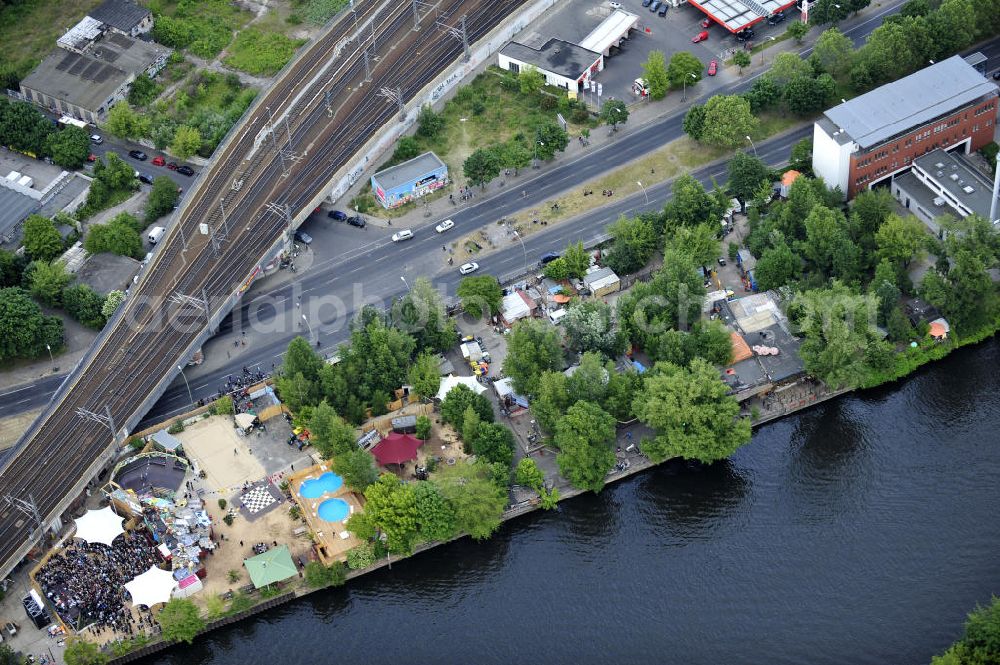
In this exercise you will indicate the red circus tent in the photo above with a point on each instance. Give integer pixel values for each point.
(396, 448)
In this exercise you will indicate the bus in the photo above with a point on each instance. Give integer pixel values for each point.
(65, 121)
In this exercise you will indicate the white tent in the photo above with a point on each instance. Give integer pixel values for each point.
(99, 526)
(514, 307)
(245, 420)
(152, 587)
(449, 382)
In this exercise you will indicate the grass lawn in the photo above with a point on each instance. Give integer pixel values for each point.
(29, 29)
(260, 52)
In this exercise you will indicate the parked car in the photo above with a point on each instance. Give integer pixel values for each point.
(138, 154)
(705, 22)
(11, 628)
(185, 170)
(663, 9)
(615, 5)
(713, 67)
(647, 3)
(744, 35)
(656, 5)
(400, 236)
(700, 37)
(444, 226)
(356, 221)
(996, 75)
(467, 268)
(548, 258)
(96, 139)
(303, 237)
(144, 177)
(158, 161)
(172, 166)
(722, 261)
(337, 215)
(91, 157)
(776, 18)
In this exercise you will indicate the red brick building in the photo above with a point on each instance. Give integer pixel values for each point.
(865, 141)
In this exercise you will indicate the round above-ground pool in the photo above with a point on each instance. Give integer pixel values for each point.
(314, 488)
(333, 510)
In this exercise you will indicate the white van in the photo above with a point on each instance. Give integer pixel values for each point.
(557, 315)
(156, 234)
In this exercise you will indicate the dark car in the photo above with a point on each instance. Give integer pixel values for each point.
(663, 9)
(138, 154)
(356, 221)
(548, 258)
(656, 5)
(744, 35)
(146, 178)
(337, 215)
(184, 169)
(647, 3)
(303, 237)
(172, 166)
(776, 18)
(996, 75)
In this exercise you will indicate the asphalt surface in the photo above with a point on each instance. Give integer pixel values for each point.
(122, 148)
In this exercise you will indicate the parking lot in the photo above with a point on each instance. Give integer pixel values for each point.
(572, 21)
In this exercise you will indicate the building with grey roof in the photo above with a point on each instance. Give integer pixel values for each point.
(15, 207)
(564, 64)
(410, 180)
(943, 183)
(125, 17)
(86, 82)
(866, 140)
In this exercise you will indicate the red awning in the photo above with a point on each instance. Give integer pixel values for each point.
(396, 448)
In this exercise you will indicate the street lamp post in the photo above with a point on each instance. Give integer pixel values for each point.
(538, 142)
(523, 249)
(405, 283)
(753, 146)
(643, 191)
(763, 47)
(190, 396)
(686, 87)
(51, 359)
(308, 326)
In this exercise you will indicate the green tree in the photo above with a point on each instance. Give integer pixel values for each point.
(458, 400)
(584, 437)
(437, 516)
(125, 123)
(187, 141)
(828, 247)
(429, 123)
(980, 641)
(116, 237)
(614, 111)
(763, 94)
(742, 60)
(654, 70)
(361, 556)
(728, 121)
(24, 128)
(408, 147)
(529, 475)
(699, 242)
(530, 80)
(788, 67)
(42, 241)
(797, 30)
(111, 303)
(633, 246)
(589, 327)
(356, 467)
(78, 652)
(478, 501)
(690, 204)
(69, 147)
(423, 428)
(494, 443)
(692, 414)
(481, 166)
(180, 621)
(47, 281)
(673, 299)
(684, 69)
(589, 380)
(694, 122)
(577, 260)
(834, 53)
(143, 91)
(84, 304)
(301, 359)
(550, 139)
(392, 506)
(162, 198)
(425, 376)
(11, 268)
(24, 331)
(421, 314)
(557, 270)
(552, 399)
(532, 348)
(801, 157)
(899, 240)
(746, 175)
(296, 390)
(828, 11)
(470, 428)
(481, 296)
(777, 266)
(965, 294)
(329, 433)
(319, 576)
(806, 95)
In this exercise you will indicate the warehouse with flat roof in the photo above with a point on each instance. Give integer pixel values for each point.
(400, 184)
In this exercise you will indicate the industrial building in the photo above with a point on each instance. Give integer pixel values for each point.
(942, 183)
(410, 180)
(564, 65)
(867, 140)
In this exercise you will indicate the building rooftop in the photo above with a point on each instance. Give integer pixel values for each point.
(81, 34)
(787, 363)
(734, 15)
(76, 78)
(910, 102)
(14, 208)
(618, 23)
(959, 179)
(108, 272)
(120, 14)
(408, 171)
(556, 56)
(130, 55)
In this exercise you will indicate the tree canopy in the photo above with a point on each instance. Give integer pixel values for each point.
(584, 437)
(532, 348)
(42, 241)
(481, 296)
(180, 620)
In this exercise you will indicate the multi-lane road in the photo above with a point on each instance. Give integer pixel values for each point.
(276, 161)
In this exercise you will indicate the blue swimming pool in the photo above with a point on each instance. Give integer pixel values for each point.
(314, 488)
(333, 510)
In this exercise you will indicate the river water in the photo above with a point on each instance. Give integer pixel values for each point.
(860, 531)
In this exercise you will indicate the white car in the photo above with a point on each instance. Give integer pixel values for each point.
(444, 226)
(615, 5)
(405, 234)
(468, 268)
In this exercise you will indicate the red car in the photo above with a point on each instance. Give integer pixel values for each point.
(172, 166)
(91, 157)
(705, 22)
(700, 37)
(713, 67)
(159, 161)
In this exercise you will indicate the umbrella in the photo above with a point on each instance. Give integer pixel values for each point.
(396, 449)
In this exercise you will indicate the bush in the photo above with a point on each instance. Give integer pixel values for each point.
(223, 503)
(144, 90)
(41, 239)
(228, 519)
(319, 576)
(84, 304)
(361, 556)
(261, 53)
(423, 428)
(177, 427)
(223, 406)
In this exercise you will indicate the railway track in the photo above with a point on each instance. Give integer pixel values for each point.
(152, 333)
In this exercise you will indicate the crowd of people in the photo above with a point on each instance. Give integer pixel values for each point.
(86, 583)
